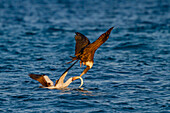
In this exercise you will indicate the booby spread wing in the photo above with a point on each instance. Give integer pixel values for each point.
(88, 52)
(43, 79)
(81, 42)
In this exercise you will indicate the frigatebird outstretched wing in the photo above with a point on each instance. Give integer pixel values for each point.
(81, 42)
(88, 52)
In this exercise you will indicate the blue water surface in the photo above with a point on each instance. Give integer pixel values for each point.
(131, 71)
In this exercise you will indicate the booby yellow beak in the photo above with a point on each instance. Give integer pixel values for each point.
(78, 77)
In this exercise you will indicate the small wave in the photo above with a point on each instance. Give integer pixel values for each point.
(130, 45)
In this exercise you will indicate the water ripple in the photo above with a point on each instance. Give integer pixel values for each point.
(130, 71)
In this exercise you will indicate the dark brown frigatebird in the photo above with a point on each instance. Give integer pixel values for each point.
(84, 50)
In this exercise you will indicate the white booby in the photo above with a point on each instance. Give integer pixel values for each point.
(47, 83)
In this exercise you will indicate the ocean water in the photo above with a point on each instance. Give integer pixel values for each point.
(131, 71)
